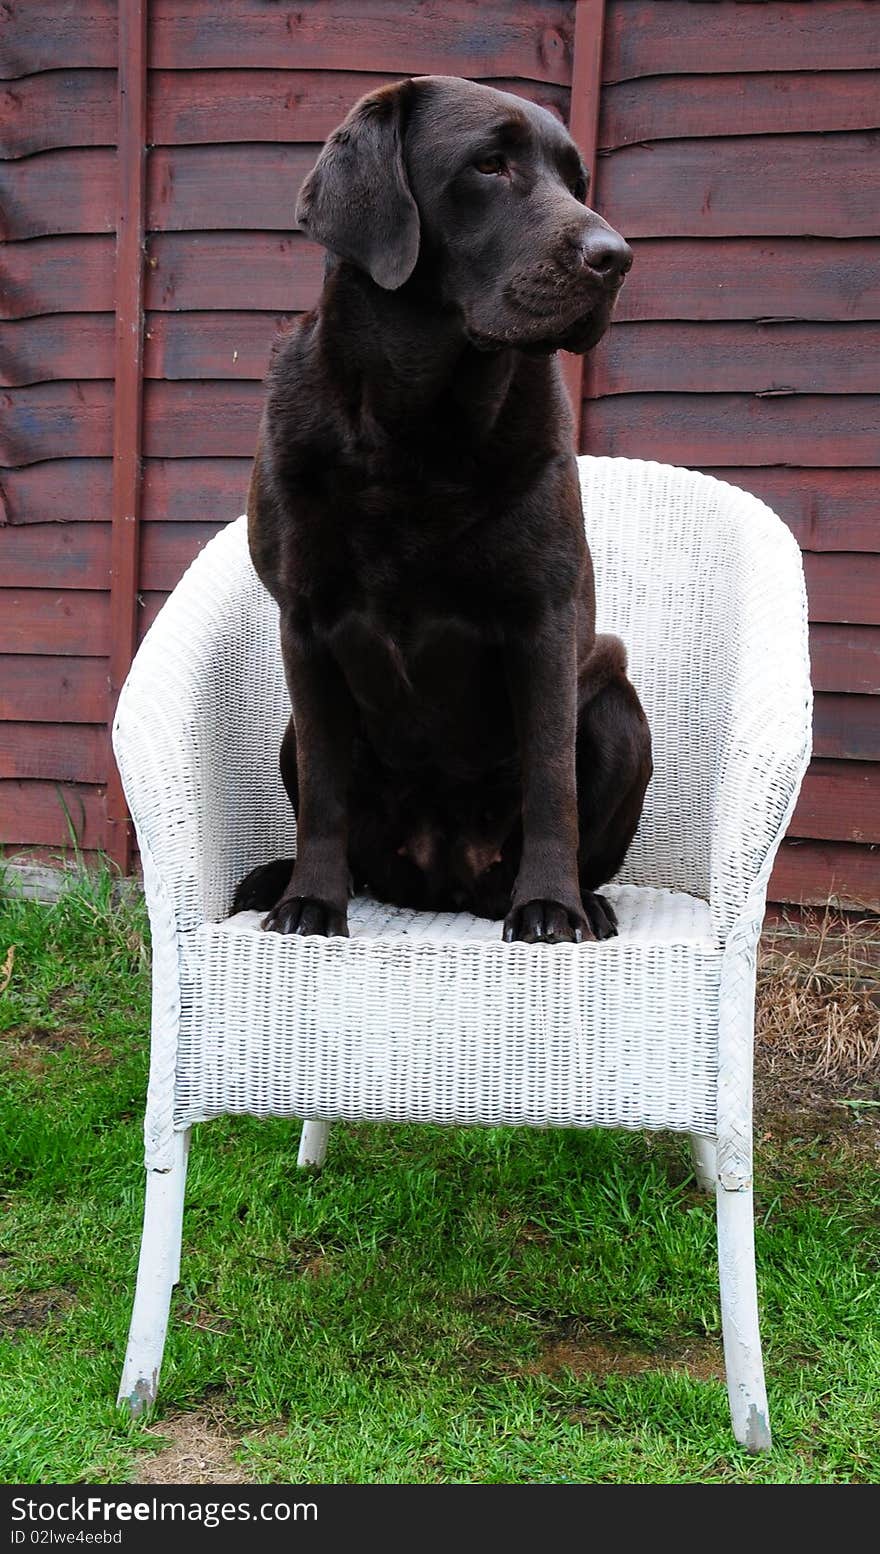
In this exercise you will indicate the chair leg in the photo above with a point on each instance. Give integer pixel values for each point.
(313, 1143)
(158, 1272)
(743, 1363)
(704, 1155)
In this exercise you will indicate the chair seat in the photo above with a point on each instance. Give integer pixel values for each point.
(644, 913)
(430, 1017)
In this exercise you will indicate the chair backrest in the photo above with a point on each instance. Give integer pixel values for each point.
(690, 572)
(703, 583)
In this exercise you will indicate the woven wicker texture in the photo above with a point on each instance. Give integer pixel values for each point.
(435, 1019)
(429, 1017)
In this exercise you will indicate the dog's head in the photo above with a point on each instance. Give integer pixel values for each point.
(476, 197)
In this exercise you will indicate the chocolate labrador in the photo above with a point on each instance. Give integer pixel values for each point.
(461, 739)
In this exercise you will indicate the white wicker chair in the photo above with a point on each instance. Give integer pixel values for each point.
(431, 1018)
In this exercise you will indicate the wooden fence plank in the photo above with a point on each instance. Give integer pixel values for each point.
(182, 420)
(845, 658)
(231, 187)
(44, 350)
(646, 39)
(784, 103)
(80, 490)
(728, 278)
(195, 490)
(58, 108)
(709, 358)
(208, 344)
(522, 38)
(56, 491)
(814, 429)
(59, 751)
(512, 38)
(55, 555)
(57, 34)
(52, 690)
(43, 621)
(193, 107)
(643, 38)
(149, 606)
(811, 185)
(233, 271)
(814, 873)
(57, 275)
(36, 813)
(846, 727)
(843, 589)
(826, 509)
(68, 191)
(168, 549)
(839, 802)
(56, 420)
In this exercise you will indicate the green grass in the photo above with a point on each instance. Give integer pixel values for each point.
(437, 1306)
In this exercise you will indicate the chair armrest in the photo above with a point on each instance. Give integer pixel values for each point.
(768, 734)
(197, 731)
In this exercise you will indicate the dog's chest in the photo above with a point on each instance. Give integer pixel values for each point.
(407, 652)
(421, 680)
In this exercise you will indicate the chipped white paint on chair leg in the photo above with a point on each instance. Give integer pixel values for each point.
(743, 1362)
(313, 1143)
(158, 1272)
(705, 1158)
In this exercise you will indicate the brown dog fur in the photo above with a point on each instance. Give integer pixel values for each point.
(460, 737)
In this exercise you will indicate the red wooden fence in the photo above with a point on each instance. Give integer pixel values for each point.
(738, 151)
(736, 147)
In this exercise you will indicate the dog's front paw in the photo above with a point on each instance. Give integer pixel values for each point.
(545, 922)
(304, 915)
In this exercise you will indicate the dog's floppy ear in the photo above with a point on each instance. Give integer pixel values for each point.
(357, 200)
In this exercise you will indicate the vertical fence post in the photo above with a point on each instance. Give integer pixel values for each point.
(583, 123)
(124, 549)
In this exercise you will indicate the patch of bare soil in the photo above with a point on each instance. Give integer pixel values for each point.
(33, 1309)
(198, 1448)
(51, 1038)
(817, 1037)
(587, 1353)
(31, 1047)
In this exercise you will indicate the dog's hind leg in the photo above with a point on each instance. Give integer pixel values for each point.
(266, 884)
(613, 771)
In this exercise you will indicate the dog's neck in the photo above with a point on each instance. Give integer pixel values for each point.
(406, 358)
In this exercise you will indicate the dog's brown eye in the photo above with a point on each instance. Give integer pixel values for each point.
(491, 164)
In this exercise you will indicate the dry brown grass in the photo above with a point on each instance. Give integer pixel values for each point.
(818, 992)
(597, 1354)
(197, 1448)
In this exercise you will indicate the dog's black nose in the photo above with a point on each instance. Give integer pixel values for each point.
(607, 253)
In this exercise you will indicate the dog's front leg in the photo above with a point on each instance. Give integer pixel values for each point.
(542, 677)
(316, 898)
